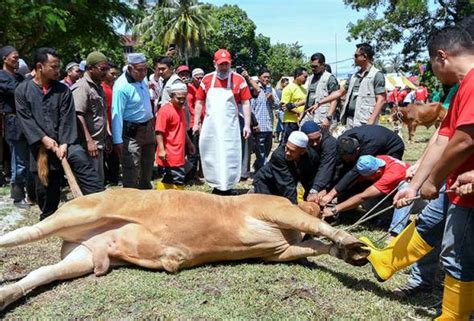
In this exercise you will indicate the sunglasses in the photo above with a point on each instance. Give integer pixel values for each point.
(357, 55)
(315, 66)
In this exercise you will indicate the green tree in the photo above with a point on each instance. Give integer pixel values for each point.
(284, 58)
(406, 22)
(73, 27)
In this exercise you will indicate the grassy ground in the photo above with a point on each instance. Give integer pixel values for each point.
(324, 289)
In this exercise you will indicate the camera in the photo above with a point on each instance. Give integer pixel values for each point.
(239, 69)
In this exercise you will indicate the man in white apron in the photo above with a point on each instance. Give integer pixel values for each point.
(219, 143)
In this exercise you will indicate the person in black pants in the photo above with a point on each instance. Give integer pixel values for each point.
(47, 115)
(364, 140)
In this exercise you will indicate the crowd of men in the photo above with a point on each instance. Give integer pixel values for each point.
(183, 121)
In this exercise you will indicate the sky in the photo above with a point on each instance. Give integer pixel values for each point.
(314, 24)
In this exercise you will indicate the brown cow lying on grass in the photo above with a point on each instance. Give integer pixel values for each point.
(414, 115)
(171, 230)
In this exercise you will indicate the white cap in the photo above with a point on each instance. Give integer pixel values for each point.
(299, 139)
(197, 71)
(136, 58)
(178, 87)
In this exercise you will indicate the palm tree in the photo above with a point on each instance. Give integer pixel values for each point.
(180, 22)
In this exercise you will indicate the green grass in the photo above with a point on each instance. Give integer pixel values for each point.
(325, 289)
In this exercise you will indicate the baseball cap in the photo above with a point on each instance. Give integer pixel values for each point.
(367, 165)
(182, 68)
(222, 56)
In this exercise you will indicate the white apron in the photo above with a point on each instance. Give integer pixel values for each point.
(219, 143)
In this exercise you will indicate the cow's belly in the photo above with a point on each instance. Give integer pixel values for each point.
(186, 247)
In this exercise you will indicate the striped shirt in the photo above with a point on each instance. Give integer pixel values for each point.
(263, 108)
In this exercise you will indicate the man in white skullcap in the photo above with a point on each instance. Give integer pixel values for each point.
(133, 134)
(172, 139)
(289, 164)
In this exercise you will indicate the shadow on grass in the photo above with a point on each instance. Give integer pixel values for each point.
(423, 300)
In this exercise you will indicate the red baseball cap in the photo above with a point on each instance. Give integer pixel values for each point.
(183, 68)
(222, 56)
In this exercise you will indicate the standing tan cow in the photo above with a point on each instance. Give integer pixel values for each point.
(171, 230)
(414, 115)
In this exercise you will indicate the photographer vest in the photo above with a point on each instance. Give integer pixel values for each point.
(320, 92)
(365, 100)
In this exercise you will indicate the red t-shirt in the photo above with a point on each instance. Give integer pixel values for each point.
(239, 87)
(108, 101)
(402, 95)
(191, 98)
(421, 93)
(393, 98)
(171, 122)
(392, 174)
(460, 113)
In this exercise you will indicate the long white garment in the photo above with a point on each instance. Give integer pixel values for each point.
(219, 142)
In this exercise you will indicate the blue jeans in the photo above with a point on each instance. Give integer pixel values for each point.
(401, 215)
(457, 254)
(19, 160)
(430, 225)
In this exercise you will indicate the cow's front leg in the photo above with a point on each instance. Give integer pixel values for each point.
(77, 263)
(291, 217)
(301, 250)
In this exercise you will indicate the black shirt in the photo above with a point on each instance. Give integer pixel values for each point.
(373, 140)
(51, 114)
(8, 84)
(327, 151)
(283, 176)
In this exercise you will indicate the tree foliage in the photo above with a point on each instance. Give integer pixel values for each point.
(73, 27)
(231, 29)
(406, 22)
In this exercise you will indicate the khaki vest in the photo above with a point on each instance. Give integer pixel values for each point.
(320, 93)
(365, 101)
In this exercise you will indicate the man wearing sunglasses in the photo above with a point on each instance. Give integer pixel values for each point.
(90, 102)
(365, 92)
(320, 85)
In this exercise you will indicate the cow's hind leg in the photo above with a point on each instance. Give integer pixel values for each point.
(301, 250)
(76, 263)
(292, 218)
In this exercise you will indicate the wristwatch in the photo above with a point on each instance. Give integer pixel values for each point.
(313, 191)
(329, 117)
(334, 211)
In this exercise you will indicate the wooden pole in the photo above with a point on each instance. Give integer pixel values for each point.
(71, 179)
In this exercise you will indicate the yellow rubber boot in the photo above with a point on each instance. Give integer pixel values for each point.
(179, 187)
(458, 299)
(300, 195)
(404, 250)
(162, 186)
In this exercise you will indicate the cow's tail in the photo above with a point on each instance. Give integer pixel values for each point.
(42, 164)
(28, 234)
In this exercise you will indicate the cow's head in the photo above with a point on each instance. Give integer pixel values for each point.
(311, 208)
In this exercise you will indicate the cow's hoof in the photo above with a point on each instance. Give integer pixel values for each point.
(355, 254)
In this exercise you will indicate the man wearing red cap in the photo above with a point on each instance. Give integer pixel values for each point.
(224, 92)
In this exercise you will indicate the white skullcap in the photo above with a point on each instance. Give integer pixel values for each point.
(197, 71)
(299, 139)
(178, 88)
(136, 58)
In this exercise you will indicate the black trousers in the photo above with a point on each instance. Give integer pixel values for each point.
(288, 128)
(112, 168)
(87, 177)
